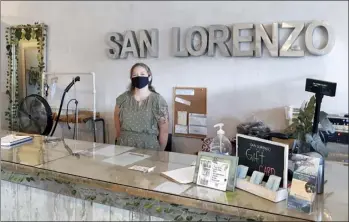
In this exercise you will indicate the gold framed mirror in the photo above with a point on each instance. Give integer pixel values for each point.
(26, 55)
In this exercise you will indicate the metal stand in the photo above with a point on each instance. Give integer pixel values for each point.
(43, 81)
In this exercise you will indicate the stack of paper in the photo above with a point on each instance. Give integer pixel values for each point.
(13, 140)
(183, 175)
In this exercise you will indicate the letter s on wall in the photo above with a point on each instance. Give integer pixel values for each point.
(309, 38)
(284, 50)
(114, 41)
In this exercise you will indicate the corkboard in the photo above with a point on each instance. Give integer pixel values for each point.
(198, 105)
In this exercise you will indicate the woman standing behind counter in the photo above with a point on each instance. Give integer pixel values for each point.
(141, 114)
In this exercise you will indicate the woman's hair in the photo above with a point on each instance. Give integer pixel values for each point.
(150, 87)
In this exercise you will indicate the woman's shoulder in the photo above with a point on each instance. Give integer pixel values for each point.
(122, 97)
(125, 94)
(159, 99)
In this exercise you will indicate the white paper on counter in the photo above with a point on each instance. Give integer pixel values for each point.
(197, 119)
(185, 92)
(172, 188)
(198, 130)
(109, 151)
(126, 159)
(183, 175)
(183, 101)
(182, 118)
(181, 129)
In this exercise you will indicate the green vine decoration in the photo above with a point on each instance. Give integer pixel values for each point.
(13, 35)
(34, 75)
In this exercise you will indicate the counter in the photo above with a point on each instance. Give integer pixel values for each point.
(49, 168)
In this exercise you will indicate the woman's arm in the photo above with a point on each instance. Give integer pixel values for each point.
(163, 120)
(117, 121)
(163, 132)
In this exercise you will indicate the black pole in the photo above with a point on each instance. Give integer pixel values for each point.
(321, 172)
(103, 128)
(318, 100)
(76, 79)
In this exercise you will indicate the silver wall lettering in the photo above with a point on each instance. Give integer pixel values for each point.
(149, 43)
(309, 38)
(196, 48)
(130, 45)
(114, 41)
(237, 39)
(199, 41)
(220, 42)
(285, 50)
(272, 45)
(177, 49)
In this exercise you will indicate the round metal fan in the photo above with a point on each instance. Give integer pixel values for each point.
(35, 115)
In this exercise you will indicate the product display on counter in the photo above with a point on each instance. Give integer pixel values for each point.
(268, 157)
(273, 183)
(263, 158)
(216, 171)
(304, 183)
(242, 171)
(257, 177)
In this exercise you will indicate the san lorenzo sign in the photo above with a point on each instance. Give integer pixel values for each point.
(200, 41)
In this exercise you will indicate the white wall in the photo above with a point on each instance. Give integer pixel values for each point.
(237, 87)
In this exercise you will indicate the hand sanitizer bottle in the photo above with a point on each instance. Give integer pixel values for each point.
(221, 144)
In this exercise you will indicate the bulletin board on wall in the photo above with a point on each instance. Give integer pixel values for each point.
(190, 112)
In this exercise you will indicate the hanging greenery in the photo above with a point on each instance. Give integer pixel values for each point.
(14, 35)
(34, 76)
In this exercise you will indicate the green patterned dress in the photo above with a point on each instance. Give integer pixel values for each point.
(139, 120)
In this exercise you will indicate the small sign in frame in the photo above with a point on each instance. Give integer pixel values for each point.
(216, 171)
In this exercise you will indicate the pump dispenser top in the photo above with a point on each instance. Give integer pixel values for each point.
(220, 131)
(220, 144)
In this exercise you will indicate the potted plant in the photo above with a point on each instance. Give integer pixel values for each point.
(301, 130)
(302, 125)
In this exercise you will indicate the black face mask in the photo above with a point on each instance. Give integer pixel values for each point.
(140, 82)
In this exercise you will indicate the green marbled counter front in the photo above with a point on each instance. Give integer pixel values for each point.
(50, 167)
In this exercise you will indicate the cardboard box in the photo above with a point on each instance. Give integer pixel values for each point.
(289, 142)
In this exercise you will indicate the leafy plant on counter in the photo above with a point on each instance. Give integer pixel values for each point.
(303, 123)
(13, 35)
